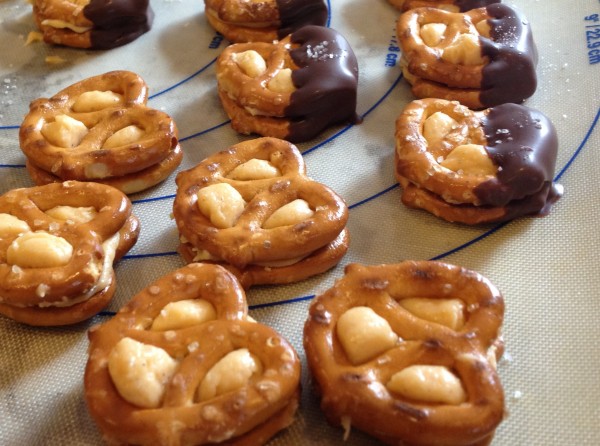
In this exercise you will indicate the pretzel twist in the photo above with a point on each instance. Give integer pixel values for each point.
(357, 394)
(448, 5)
(247, 241)
(65, 292)
(250, 414)
(147, 159)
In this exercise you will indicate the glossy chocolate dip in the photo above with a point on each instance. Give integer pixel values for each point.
(295, 14)
(523, 143)
(467, 5)
(510, 75)
(326, 82)
(117, 22)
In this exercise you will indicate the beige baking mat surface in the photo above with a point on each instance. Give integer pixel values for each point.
(547, 268)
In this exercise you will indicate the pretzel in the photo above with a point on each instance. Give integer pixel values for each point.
(58, 244)
(290, 89)
(100, 130)
(275, 225)
(379, 329)
(218, 376)
(481, 58)
(448, 5)
(263, 20)
(93, 24)
(476, 167)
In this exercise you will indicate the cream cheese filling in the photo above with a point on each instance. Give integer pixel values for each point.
(61, 24)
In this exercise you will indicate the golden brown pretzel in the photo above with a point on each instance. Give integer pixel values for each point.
(448, 5)
(247, 238)
(94, 24)
(188, 410)
(74, 135)
(262, 21)
(475, 167)
(56, 268)
(363, 360)
(289, 89)
(482, 57)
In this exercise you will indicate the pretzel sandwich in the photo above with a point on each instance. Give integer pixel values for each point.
(263, 20)
(182, 364)
(476, 167)
(253, 208)
(100, 129)
(447, 5)
(481, 58)
(93, 24)
(407, 353)
(291, 89)
(58, 244)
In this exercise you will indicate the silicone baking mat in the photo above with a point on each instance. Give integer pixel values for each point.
(547, 268)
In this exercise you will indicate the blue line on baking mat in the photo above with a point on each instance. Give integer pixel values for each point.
(362, 117)
(204, 131)
(9, 127)
(13, 166)
(183, 81)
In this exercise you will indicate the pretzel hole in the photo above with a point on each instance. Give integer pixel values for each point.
(83, 214)
(250, 62)
(64, 131)
(11, 226)
(184, 313)
(433, 33)
(437, 126)
(254, 169)
(282, 82)
(364, 334)
(123, 137)
(39, 250)
(222, 204)
(140, 372)
(292, 213)
(230, 373)
(428, 383)
(470, 159)
(447, 312)
(96, 100)
(465, 50)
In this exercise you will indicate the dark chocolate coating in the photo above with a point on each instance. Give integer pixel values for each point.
(523, 143)
(467, 5)
(326, 82)
(510, 75)
(295, 14)
(117, 22)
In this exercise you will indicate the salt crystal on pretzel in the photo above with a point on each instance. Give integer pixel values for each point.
(481, 58)
(476, 167)
(263, 20)
(252, 207)
(100, 129)
(182, 363)
(291, 89)
(58, 244)
(93, 24)
(389, 359)
(447, 5)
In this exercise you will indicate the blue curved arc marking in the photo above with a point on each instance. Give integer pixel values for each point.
(9, 127)
(166, 90)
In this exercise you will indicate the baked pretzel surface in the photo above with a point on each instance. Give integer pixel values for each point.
(448, 5)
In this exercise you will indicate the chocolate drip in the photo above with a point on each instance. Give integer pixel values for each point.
(294, 14)
(467, 5)
(117, 22)
(522, 142)
(510, 75)
(326, 81)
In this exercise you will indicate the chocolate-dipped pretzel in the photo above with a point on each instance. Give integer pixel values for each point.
(58, 244)
(253, 208)
(100, 129)
(263, 20)
(476, 167)
(481, 58)
(182, 364)
(93, 24)
(291, 89)
(407, 353)
(448, 5)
